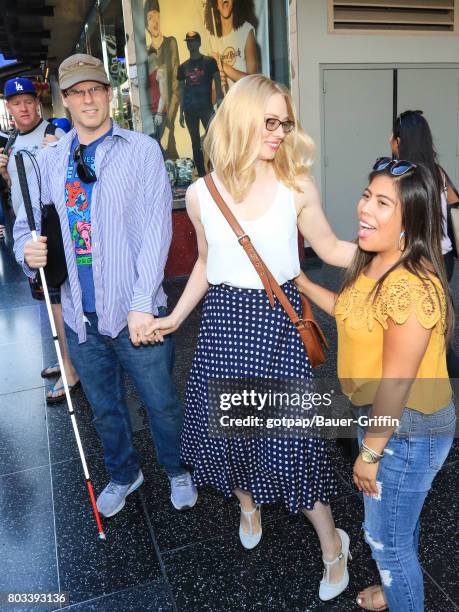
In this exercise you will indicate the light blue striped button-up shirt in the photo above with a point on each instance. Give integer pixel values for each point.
(131, 227)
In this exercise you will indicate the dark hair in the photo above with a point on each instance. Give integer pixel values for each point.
(243, 10)
(416, 142)
(150, 5)
(421, 221)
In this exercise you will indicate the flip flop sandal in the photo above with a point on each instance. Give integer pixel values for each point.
(45, 374)
(50, 400)
(367, 595)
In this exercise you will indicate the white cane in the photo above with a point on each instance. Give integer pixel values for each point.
(31, 220)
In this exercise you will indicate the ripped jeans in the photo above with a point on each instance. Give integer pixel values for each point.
(413, 456)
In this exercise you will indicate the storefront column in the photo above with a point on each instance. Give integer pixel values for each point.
(56, 99)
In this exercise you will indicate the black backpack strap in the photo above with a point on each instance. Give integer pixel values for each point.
(50, 129)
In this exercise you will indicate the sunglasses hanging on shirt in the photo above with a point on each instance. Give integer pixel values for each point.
(84, 172)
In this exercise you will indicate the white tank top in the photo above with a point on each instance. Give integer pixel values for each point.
(274, 235)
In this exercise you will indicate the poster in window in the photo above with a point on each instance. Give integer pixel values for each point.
(232, 40)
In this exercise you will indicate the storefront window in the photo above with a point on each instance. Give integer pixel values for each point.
(279, 41)
(93, 39)
(113, 49)
(104, 37)
(181, 59)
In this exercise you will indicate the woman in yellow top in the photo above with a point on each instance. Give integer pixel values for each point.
(394, 316)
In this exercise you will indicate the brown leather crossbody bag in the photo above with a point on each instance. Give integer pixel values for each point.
(311, 334)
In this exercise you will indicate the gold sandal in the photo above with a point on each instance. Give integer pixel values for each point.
(367, 595)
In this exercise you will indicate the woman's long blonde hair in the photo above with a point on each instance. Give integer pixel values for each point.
(233, 139)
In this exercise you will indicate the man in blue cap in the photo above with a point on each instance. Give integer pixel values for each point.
(32, 133)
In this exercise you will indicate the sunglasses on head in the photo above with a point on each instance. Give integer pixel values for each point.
(397, 167)
(84, 172)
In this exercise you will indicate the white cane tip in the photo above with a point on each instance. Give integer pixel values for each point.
(102, 536)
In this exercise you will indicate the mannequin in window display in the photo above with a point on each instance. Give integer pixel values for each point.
(195, 77)
(163, 89)
(159, 97)
(231, 25)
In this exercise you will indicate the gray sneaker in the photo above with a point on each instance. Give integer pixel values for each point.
(183, 492)
(113, 497)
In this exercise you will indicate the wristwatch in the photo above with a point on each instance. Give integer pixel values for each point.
(368, 455)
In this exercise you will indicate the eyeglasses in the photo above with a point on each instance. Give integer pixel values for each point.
(81, 93)
(84, 172)
(272, 124)
(397, 167)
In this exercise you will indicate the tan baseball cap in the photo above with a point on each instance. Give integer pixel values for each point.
(81, 67)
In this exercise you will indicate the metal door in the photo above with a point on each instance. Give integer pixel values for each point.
(356, 127)
(435, 91)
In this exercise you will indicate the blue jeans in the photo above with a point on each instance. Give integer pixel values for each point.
(100, 362)
(413, 456)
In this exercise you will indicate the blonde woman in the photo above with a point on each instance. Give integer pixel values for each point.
(262, 161)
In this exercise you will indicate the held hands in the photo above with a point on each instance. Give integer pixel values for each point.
(36, 253)
(145, 329)
(162, 326)
(138, 323)
(364, 476)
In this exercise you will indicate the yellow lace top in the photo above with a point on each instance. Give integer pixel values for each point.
(361, 323)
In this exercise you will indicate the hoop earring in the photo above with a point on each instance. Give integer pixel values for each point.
(401, 246)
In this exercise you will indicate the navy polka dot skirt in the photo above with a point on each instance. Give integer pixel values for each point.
(241, 336)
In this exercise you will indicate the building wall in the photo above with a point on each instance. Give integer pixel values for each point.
(316, 46)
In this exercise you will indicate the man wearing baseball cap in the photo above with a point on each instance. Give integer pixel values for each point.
(23, 105)
(32, 133)
(115, 207)
(195, 77)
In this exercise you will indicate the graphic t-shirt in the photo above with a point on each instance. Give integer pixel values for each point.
(78, 195)
(231, 48)
(197, 75)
